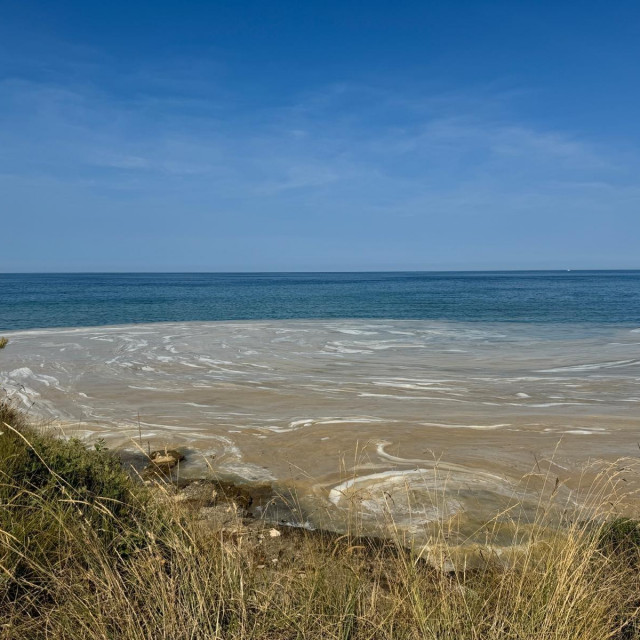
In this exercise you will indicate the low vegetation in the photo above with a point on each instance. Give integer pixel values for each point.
(88, 552)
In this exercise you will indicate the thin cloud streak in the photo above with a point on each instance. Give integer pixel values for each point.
(364, 156)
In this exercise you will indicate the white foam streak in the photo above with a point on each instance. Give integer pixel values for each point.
(595, 366)
(478, 427)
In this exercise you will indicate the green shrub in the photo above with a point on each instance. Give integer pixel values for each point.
(60, 500)
(621, 537)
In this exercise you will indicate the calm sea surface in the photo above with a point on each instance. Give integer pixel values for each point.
(66, 300)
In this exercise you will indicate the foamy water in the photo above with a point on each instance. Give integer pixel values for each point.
(381, 414)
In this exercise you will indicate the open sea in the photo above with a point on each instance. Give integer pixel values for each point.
(70, 300)
(385, 388)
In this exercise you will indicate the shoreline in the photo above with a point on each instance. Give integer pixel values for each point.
(631, 325)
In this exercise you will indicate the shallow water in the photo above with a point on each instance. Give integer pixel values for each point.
(383, 414)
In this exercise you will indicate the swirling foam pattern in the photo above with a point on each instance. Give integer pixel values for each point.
(384, 413)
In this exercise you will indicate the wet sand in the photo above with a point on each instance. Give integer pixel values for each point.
(416, 419)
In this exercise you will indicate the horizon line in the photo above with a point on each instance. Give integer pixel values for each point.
(318, 272)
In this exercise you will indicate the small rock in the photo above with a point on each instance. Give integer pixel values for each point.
(166, 458)
(274, 533)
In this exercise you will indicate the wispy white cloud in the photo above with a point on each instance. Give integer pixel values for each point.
(347, 156)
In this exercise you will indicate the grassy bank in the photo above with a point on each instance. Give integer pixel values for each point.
(86, 552)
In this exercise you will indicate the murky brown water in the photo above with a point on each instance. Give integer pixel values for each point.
(386, 412)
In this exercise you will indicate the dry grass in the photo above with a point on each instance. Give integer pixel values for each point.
(85, 553)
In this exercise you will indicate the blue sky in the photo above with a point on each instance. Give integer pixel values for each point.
(280, 136)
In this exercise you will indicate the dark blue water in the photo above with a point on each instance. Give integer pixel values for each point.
(66, 300)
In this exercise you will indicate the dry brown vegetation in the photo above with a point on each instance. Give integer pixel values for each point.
(86, 553)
